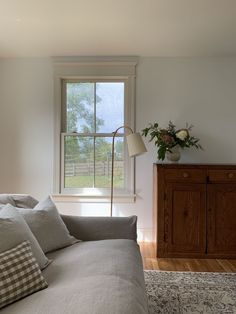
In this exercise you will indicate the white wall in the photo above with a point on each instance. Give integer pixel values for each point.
(26, 125)
(201, 91)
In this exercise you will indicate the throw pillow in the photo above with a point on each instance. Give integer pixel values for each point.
(24, 200)
(19, 274)
(47, 226)
(14, 230)
(6, 199)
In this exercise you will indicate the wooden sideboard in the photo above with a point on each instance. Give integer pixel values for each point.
(195, 210)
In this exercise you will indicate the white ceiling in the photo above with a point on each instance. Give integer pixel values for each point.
(40, 28)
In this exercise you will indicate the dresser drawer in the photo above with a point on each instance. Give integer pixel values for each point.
(185, 175)
(222, 175)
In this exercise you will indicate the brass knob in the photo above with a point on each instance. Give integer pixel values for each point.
(185, 175)
(230, 175)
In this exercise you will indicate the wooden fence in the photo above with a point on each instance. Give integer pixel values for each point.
(102, 168)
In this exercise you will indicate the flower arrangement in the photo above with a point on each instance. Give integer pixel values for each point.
(168, 138)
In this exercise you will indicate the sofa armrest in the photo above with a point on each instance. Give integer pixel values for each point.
(101, 228)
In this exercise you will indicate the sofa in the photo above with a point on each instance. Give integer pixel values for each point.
(102, 274)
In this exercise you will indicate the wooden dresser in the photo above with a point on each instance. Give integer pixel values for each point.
(195, 210)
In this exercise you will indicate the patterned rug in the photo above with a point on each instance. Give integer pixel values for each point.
(190, 293)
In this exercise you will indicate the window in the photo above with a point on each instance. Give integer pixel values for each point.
(96, 98)
(92, 110)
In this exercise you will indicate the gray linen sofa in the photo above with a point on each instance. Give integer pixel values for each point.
(103, 274)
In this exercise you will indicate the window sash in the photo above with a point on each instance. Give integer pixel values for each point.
(128, 163)
(98, 80)
(128, 166)
(93, 135)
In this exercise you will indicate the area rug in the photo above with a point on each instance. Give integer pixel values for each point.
(190, 292)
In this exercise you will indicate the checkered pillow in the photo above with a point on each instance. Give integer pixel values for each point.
(20, 274)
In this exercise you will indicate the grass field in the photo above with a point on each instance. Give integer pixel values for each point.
(87, 182)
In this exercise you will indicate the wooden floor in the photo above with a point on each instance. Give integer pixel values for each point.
(183, 264)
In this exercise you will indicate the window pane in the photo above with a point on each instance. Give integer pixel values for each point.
(93, 107)
(80, 107)
(109, 106)
(79, 162)
(103, 162)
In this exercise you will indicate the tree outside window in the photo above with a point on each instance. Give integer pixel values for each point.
(93, 110)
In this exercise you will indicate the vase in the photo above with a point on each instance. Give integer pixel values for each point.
(174, 155)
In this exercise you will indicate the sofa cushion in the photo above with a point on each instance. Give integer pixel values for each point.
(14, 230)
(97, 277)
(101, 228)
(19, 274)
(47, 226)
(6, 199)
(24, 200)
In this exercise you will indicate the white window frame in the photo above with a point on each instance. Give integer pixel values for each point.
(92, 69)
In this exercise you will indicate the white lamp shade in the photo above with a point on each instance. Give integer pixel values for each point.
(135, 145)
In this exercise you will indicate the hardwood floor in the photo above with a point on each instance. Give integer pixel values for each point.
(183, 264)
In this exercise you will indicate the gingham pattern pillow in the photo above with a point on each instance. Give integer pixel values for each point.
(20, 274)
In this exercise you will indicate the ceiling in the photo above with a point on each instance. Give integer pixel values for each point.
(41, 28)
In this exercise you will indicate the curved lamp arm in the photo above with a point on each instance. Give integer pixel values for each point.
(135, 147)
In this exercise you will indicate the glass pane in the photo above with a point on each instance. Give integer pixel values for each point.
(103, 162)
(80, 107)
(79, 162)
(109, 106)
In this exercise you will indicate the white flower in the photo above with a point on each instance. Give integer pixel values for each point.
(182, 134)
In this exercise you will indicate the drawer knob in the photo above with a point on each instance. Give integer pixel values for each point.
(230, 175)
(185, 175)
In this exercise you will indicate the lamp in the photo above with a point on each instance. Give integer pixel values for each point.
(136, 147)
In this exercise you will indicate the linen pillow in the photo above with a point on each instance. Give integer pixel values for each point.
(24, 201)
(6, 199)
(19, 274)
(14, 230)
(47, 226)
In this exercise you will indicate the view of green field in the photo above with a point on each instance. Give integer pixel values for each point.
(87, 181)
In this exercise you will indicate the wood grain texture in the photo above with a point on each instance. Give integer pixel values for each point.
(222, 219)
(185, 175)
(224, 175)
(151, 262)
(186, 211)
(195, 210)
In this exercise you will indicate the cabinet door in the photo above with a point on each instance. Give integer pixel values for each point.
(185, 221)
(221, 217)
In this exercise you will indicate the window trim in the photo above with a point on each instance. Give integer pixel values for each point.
(83, 198)
(87, 69)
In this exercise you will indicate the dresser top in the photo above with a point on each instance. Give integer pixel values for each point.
(196, 165)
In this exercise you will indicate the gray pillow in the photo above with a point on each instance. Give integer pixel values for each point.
(24, 201)
(47, 226)
(6, 199)
(14, 230)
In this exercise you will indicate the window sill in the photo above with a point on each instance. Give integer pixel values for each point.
(83, 198)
